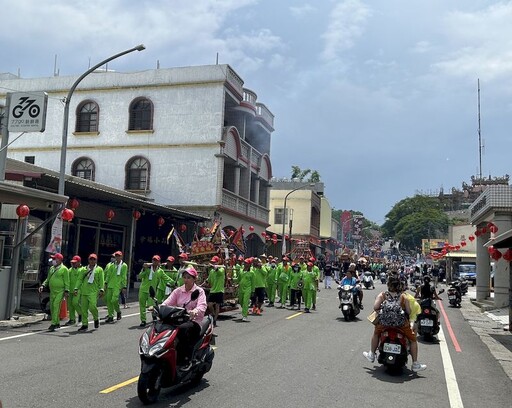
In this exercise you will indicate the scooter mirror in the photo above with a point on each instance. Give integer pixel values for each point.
(151, 291)
(194, 295)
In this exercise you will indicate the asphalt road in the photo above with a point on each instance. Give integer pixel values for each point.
(280, 359)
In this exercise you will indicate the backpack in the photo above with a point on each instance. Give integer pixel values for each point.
(391, 312)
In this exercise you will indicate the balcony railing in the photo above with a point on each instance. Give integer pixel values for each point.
(235, 81)
(244, 206)
(263, 112)
(250, 97)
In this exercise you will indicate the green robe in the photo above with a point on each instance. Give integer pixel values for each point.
(58, 282)
(89, 292)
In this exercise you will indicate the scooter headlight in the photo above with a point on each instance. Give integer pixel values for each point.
(157, 347)
(144, 344)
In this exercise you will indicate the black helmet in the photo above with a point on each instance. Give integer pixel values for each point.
(426, 279)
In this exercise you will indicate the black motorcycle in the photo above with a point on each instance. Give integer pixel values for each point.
(455, 293)
(428, 319)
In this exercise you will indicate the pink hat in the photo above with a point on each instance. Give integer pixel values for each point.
(156, 258)
(215, 259)
(57, 256)
(191, 271)
(183, 256)
(170, 258)
(76, 259)
(118, 253)
(93, 256)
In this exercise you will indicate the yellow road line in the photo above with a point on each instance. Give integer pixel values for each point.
(127, 382)
(294, 315)
(120, 385)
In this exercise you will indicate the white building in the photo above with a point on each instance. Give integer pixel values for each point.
(190, 137)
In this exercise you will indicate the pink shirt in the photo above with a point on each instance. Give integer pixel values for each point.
(180, 296)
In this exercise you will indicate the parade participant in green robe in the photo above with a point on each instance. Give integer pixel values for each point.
(316, 269)
(260, 283)
(283, 281)
(245, 280)
(309, 278)
(90, 283)
(272, 277)
(74, 308)
(116, 275)
(296, 279)
(166, 281)
(148, 278)
(216, 280)
(58, 282)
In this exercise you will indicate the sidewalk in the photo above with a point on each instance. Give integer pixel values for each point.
(492, 328)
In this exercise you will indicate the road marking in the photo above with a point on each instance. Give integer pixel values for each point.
(17, 336)
(294, 315)
(449, 327)
(128, 382)
(449, 373)
(120, 385)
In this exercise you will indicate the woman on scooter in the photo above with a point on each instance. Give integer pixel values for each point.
(395, 290)
(189, 331)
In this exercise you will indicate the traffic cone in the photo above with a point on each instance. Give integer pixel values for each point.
(63, 309)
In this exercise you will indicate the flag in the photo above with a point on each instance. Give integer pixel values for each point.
(56, 236)
(237, 240)
(214, 228)
(169, 235)
(217, 236)
(179, 241)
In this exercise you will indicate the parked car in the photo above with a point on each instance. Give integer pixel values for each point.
(468, 272)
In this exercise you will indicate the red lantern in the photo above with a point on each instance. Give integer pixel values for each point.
(286, 237)
(478, 232)
(484, 230)
(274, 236)
(463, 243)
(202, 231)
(136, 215)
(243, 231)
(251, 228)
(73, 204)
(183, 227)
(264, 234)
(67, 214)
(274, 241)
(110, 214)
(493, 228)
(496, 255)
(22, 211)
(490, 250)
(160, 221)
(507, 256)
(471, 238)
(457, 247)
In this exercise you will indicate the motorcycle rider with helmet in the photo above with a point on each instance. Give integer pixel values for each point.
(349, 279)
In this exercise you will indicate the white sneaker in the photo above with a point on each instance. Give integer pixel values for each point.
(244, 319)
(369, 356)
(418, 367)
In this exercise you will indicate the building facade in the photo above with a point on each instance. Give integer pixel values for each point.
(192, 138)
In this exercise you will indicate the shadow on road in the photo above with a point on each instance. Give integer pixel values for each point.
(174, 396)
(380, 373)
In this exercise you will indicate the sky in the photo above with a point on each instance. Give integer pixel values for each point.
(380, 97)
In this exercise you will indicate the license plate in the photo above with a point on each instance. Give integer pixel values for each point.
(392, 348)
(451, 297)
(427, 322)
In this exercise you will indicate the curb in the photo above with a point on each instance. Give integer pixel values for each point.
(21, 321)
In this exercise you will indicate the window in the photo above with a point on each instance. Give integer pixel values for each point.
(141, 115)
(87, 117)
(30, 159)
(83, 167)
(137, 174)
(279, 216)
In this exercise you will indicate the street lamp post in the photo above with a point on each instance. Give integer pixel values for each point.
(283, 250)
(66, 112)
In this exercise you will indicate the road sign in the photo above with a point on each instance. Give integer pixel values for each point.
(27, 112)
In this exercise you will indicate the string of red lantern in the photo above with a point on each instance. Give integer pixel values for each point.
(110, 214)
(67, 214)
(22, 211)
(160, 221)
(73, 204)
(136, 215)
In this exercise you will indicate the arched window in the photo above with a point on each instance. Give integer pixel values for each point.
(137, 174)
(141, 114)
(83, 167)
(87, 117)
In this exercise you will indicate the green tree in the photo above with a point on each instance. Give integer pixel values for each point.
(314, 177)
(413, 219)
(298, 173)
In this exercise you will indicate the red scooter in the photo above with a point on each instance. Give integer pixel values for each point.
(157, 350)
(393, 350)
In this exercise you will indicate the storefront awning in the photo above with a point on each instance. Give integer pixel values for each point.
(501, 241)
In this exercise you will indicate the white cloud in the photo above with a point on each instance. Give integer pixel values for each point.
(479, 42)
(346, 23)
(421, 47)
(301, 11)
